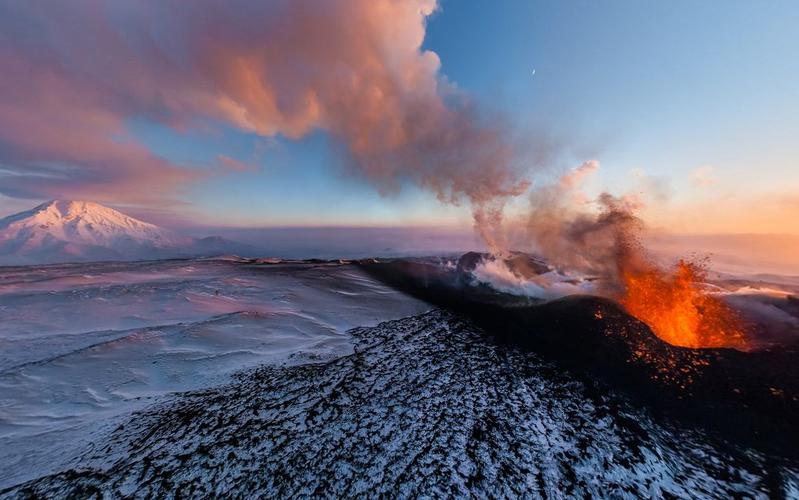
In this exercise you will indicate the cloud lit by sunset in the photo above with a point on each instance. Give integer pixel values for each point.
(219, 114)
(399, 249)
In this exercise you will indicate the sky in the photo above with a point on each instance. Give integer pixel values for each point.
(280, 115)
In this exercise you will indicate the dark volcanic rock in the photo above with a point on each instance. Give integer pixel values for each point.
(468, 261)
(752, 397)
(521, 264)
(426, 406)
(526, 266)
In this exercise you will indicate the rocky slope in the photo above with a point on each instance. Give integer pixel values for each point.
(425, 406)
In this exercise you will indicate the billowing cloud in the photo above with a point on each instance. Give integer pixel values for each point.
(575, 232)
(62, 132)
(74, 72)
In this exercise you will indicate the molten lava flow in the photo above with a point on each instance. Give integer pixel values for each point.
(678, 310)
(609, 243)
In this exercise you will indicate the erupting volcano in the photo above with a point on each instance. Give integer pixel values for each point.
(674, 302)
(604, 238)
(411, 293)
(677, 308)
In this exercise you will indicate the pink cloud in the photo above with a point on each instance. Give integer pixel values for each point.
(235, 165)
(74, 72)
(60, 136)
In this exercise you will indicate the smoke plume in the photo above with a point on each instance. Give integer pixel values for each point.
(75, 73)
(577, 233)
(603, 238)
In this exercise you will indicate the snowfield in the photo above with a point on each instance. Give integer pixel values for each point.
(84, 345)
(205, 378)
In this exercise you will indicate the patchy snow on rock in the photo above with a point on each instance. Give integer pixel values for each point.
(424, 406)
(230, 377)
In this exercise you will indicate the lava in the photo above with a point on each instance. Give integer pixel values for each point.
(674, 305)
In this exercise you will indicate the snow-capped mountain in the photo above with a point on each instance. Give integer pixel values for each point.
(68, 231)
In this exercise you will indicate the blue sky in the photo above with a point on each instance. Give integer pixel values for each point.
(695, 100)
(668, 84)
(665, 87)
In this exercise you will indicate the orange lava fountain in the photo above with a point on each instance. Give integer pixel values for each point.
(674, 305)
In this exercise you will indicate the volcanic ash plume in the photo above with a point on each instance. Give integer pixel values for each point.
(606, 243)
(563, 227)
(353, 68)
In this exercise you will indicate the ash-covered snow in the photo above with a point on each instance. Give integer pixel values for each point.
(424, 406)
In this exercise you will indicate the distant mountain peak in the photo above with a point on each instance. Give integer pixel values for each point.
(70, 230)
(63, 211)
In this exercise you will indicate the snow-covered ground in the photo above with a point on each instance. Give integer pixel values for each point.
(84, 345)
(222, 377)
(424, 406)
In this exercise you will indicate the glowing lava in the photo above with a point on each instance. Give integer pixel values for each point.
(674, 305)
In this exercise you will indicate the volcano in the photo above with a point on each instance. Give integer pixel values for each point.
(72, 231)
(753, 396)
(269, 378)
